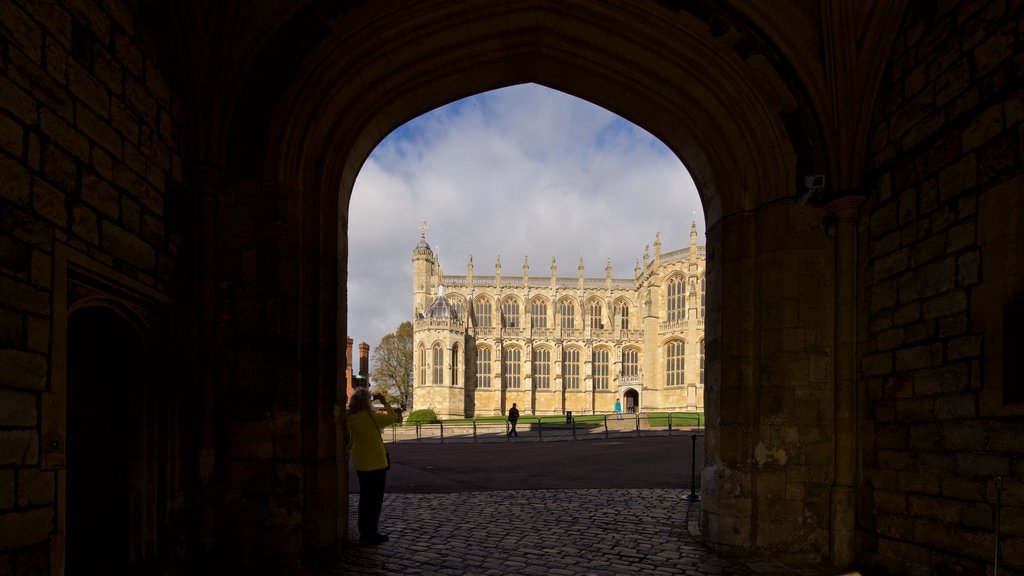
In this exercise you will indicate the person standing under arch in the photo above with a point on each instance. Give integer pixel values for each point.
(370, 459)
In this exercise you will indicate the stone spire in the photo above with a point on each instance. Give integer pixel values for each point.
(608, 269)
(657, 245)
(693, 236)
(581, 267)
(526, 267)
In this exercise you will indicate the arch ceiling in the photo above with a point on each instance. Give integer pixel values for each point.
(750, 95)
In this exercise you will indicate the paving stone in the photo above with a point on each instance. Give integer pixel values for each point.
(559, 532)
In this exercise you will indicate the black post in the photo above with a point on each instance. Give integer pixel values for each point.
(692, 496)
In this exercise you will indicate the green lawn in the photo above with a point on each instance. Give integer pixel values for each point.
(679, 419)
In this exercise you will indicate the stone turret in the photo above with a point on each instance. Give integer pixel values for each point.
(422, 271)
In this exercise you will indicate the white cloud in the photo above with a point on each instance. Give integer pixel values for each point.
(522, 171)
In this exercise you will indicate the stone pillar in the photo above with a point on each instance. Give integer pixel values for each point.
(843, 507)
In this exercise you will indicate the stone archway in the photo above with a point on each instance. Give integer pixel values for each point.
(731, 110)
(631, 401)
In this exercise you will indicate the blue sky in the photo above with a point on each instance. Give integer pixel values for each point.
(521, 171)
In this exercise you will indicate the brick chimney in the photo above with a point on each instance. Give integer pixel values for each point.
(364, 360)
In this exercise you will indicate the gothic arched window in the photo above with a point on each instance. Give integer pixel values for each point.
(423, 365)
(624, 316)
(482, 313)
(676, 299)
(674, 363)
(438, 367)
(512, 367)
(595, 315)
(455, 365)
(600, 358)
(630, 362)
(541, 368)
(483, 367)
(510, 313)
(538, 314)
(567, 314)
(571, 369)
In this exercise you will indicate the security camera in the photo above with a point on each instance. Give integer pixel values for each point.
(814, 181)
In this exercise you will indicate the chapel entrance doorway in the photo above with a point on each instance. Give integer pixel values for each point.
(105, 359)
(632, 401)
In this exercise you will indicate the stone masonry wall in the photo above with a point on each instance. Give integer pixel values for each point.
(946, 141)
(89, 158)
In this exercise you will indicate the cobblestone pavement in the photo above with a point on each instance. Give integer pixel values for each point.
(540, 532)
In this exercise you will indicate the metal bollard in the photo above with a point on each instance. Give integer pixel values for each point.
(692, 496)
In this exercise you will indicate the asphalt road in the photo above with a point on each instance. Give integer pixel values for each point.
(648, 462)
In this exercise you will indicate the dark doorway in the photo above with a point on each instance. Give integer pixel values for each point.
(632, 399)
(105, 358)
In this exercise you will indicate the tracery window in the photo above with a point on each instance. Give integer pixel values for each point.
(455, 365)
(423, 365)
(567, 314)
(571, 369)
(630, 362)
(624, 316)
(676, 299)
(458, 305)
(512, 367)
(674, 355)
(600, 359)
(703, 291)
(702, 362)
(510, 313)
(595, 315)
(538, 314)
(541, 368)
(483, 367)
(482, 312)
(438, 367)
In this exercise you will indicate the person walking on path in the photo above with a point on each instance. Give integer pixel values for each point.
(513, 417)
(618, 409)
(370, 458)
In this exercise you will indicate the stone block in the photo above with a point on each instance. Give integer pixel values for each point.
(23, 370)
(7, 496)
(19, 447)
(98, 130)
(963, 405)
(934, 507)
(85, 225)
(964, 435)
(958, 178)
(22, 30)
(15, 181)
(996, 50)
(59, 168)
(127, 246)
(951, 303)
(967, 269)
(12, 329)
(101, 195)
(38, 334)
(983, 128)
(48, 202)
(977, 515)
(924, 356)
(963, 488)
(921, 480)
(36, 487)
(998, 158)
(18, 408)
(12, 137)
(26, 226)
(25, 527)
(986, 465)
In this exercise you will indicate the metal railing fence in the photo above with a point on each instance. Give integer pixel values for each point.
(544, 429)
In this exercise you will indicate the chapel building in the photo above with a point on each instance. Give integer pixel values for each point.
(555, 344)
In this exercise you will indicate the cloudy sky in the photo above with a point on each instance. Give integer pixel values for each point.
(517, 172)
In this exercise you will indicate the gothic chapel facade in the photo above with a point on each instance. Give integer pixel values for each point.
(555, 344)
